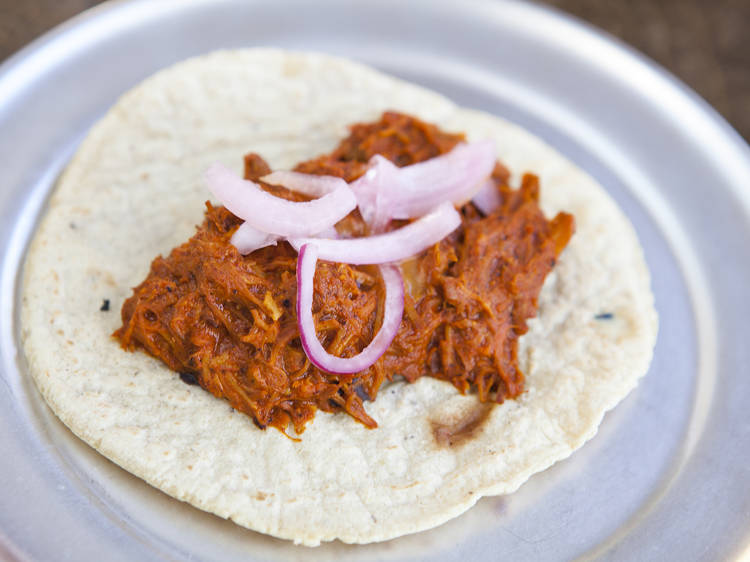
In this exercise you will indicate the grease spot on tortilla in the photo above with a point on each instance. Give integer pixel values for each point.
(456, 430)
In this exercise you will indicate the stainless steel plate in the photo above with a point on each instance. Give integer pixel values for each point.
(666, 477)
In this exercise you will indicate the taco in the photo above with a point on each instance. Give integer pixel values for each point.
(135, 190)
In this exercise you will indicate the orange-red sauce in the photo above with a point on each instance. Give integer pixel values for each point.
(227, 321)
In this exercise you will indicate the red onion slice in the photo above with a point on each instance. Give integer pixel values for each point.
(306, 184)
(394, 309)
(454, 177)
(386, 191)
(487, 198)
(393, 246)
(329, 232)
(374, 187)
(248, 239)
(273, 214)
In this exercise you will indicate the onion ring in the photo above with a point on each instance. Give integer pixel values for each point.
(393, 246)
(487, 199)
(275, 215)
(394, 309)
(307, 184)
(248, 239)
(387, 192)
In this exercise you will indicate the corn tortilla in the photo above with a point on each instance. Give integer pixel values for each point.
(134, 190)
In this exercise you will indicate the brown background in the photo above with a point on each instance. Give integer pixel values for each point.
(706, 43)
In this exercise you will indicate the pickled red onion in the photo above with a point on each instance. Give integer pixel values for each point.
(393, 311)
(487, 199)
(306, 184)
(387, 192)
(426, 190)
(248, 239)
(275, 215)
(392, 246)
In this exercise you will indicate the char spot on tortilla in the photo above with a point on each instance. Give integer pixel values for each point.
(188, 378)
(457, 430)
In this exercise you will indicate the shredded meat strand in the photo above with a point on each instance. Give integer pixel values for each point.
(227, 321)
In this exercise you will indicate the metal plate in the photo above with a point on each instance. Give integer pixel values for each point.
(667, 475)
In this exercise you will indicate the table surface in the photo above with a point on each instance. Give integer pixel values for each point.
(703, 42)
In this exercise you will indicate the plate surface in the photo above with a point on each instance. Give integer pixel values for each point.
(666, 477)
